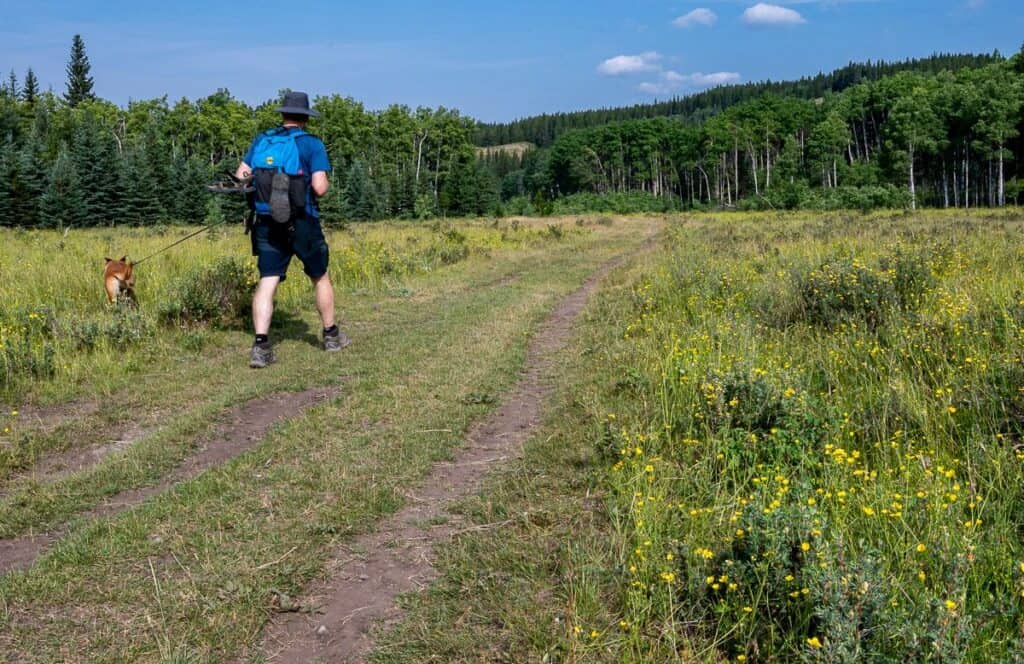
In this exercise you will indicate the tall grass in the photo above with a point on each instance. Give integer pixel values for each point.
(55, 324)
(814, 440)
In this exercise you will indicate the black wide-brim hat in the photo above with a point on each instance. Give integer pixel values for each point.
(297, 103)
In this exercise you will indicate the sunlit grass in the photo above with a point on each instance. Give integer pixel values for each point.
(813, 439)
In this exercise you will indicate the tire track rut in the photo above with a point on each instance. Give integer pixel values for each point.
(363, 582)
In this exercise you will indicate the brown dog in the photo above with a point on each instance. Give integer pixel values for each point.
(119, 280)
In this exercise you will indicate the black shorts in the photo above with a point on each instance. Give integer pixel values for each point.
(274, 244)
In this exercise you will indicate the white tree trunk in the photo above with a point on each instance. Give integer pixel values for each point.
(913, 192)
(1002, 191)
(967, 177)
(753, 169)
(945, 186)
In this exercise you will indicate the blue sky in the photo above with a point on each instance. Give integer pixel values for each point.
(493, 61)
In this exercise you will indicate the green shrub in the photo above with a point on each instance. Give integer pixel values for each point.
(843, 289)
(218, 295)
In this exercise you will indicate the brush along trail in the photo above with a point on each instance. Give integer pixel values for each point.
(197, 565)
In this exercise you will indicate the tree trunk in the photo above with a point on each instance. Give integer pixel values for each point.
(1002, 190)
(419, 159)
(989, 189)
(736, 165)
(945, 186)
(967, 177)
(753, 170)
(956, 187)
(913, 193)
(867, 151)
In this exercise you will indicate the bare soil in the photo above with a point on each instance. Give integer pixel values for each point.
(239, 430)
(362, 583)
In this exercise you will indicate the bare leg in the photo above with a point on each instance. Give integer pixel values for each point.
(324, 300)
(263, 304)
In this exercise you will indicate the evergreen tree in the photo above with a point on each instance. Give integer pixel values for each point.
(30, 90)
(61, 202)
(11, 88)
(360, 197)
(97, 170)
(33, 175)
(186, 180)
(141, 204)
(6, 199)
(214, 210)
(79, 84)
(332, 204)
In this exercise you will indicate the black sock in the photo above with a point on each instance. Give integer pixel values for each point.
(330, 330)
(262, 339)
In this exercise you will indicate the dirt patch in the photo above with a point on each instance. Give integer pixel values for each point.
(238, 430)
(56, 466)
(361, 586)
(46, 419)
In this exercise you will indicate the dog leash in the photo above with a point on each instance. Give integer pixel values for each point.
(187, 237)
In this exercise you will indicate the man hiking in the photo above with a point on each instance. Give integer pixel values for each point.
(289, 171)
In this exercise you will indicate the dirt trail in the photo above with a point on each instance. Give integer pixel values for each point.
(361, 586)
(240, 429)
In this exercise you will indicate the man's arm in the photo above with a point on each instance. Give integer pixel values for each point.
(319, 182)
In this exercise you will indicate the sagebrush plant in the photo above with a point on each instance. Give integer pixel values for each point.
(818, 425)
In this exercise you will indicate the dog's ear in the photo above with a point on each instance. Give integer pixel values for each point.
(123, 258)
(108, 259)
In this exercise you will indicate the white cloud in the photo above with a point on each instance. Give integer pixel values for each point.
(765, 14)
(699, 16)
(700, 80)
(671, 82)
(630, 64)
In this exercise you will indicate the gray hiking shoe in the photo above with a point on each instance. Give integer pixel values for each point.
(336, 341)
(261, 356)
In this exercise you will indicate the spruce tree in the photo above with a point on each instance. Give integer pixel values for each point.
(79, 82)
(33, 172)
(141, 204)
(12, 86)
(61, 202)
(30, 90)
(95, 156)
(332, 204)
(6, 212)
(360, 195)
(186, 179)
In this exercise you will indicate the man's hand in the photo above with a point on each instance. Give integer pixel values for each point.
(243, 172)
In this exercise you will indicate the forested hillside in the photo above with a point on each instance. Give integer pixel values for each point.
(939, 132)
(944, 140)
(542, 130)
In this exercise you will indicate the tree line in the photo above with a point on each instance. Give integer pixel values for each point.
(542, 130)
(76, 159)
(949, 139)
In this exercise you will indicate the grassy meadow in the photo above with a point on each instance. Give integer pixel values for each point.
(780, 437)
(440, 317)
(775, 437)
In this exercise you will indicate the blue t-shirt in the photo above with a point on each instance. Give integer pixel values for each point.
(312, 155)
